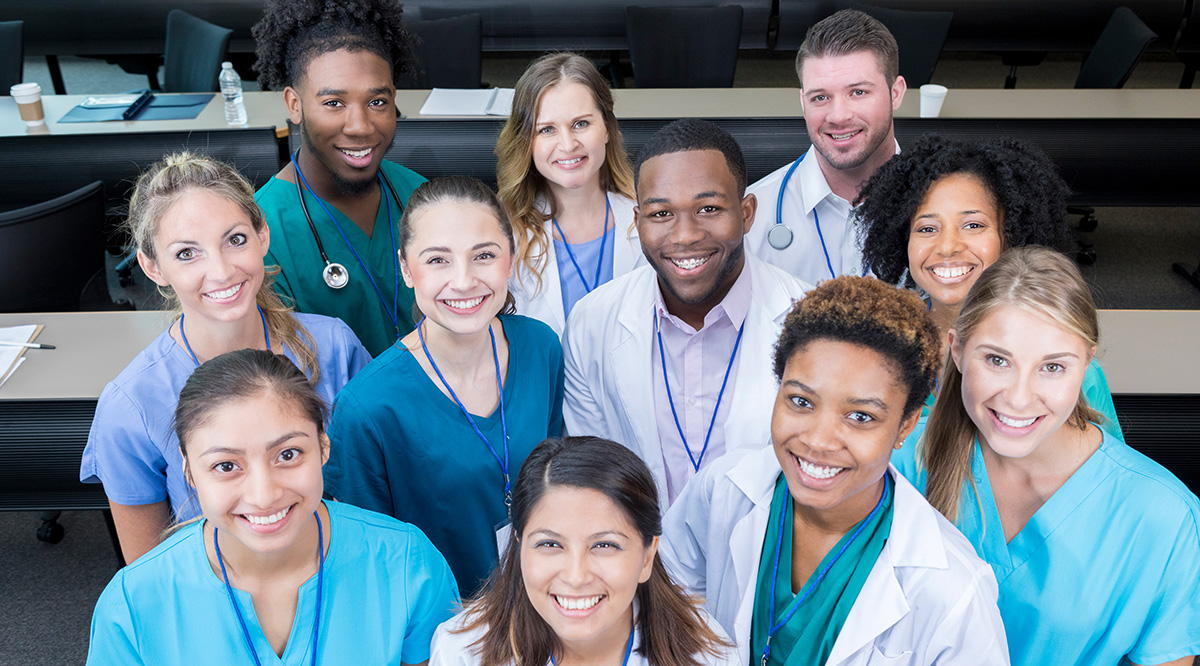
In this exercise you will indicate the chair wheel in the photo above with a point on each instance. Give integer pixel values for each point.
(1088, 222)
(1085, 257)
(50, 532)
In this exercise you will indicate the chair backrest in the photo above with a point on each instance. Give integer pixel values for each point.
(448, 53)
(683, 47)
(920, 35)
(194, 51)
(12, 54)
(1117, 52)
(49, 251)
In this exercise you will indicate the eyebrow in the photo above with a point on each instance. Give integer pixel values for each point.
(192, 242)
(555, 535)
(589, 114)
(442, 248)
(274, 444)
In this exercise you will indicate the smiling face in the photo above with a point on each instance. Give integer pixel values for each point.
(458, 263)
(837, 418)
(954, 235)
(569, 137)
(256, 466)
(1022, 376)
(208, 252)
(582, 559)
(848, 108)
(691, 222)
(345, 104)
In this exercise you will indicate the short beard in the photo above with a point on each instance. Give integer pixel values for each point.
(854, 161)
(345, 188)
(727, 268)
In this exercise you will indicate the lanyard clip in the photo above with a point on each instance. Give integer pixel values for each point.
(766, 651)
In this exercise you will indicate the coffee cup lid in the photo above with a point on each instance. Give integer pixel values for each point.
(24, 89)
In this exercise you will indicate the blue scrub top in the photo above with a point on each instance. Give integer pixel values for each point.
(132, 448)
(588, 256)
(386, 589)
(401, 447)
(1106, 571)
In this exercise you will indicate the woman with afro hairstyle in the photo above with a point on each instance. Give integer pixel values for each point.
(785, 541)
(938, 214)
(338, 63)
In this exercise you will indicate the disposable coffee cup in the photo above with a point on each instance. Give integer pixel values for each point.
(932, 96)
(28, 97)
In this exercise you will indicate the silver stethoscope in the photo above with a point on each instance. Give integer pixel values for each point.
(780, 235)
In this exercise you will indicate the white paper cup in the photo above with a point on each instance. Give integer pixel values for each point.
(28, 97)
(932, 96)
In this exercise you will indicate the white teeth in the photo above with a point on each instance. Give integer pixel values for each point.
(573, 160)
(1014, 423)
(817, 471)
(464, 305)
(357, 153)
(840, 137)
(577, 603)
(268, 520)
(226, 293)
(689, 264)
(957, 271)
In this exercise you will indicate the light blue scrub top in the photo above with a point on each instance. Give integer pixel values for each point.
(588, 256)
(386, 589)
(1106, 571)
(132, 448)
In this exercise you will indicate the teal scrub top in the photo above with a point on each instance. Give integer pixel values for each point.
(294, 250)
(1106, 572)
(402, 447)
(386, 589)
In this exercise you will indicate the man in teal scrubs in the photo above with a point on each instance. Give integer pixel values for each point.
(338, 66)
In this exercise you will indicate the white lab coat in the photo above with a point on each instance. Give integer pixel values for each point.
(928, 600)
(546, 304)
(607, 352)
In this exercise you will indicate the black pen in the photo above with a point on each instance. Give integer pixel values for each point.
(138, 105)
(28, 345)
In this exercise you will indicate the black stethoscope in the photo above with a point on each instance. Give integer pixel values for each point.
(780, 235)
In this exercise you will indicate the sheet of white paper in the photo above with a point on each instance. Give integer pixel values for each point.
(8, 353)
(502, 105)
(14, 369)
(458, 102)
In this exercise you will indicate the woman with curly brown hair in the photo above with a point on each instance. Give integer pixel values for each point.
(566, 181)
(784, 542)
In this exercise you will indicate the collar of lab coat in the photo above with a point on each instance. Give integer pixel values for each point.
(914, 541)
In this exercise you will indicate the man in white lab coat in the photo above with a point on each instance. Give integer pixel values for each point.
(673, 358)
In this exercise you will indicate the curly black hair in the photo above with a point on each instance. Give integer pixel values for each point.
(1027, 187)
(690, 134)
(872, 314)
(293, 32)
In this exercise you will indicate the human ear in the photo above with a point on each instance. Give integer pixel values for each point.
(749, 209)
(291, 99)
(955, 348)
(150, 268)
(648, 563)
(408, 281)
(264, 237)
(898, 88)
(906, 427)
(323, 442)
(187, 469)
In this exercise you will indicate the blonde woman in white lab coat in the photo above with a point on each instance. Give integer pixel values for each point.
(814, 550)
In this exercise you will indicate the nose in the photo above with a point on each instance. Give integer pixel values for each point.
(567, 140)
(221, 269)
(260, 489)
(576, 572)
(355, 121)
(839, 111)
(822, 436)
(1020, 392)
(462, 276)
(949, 241)
(686, 230)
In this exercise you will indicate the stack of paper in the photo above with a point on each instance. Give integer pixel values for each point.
(11, 357)
(468, 102)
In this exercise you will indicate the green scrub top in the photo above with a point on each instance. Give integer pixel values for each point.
(300, 279)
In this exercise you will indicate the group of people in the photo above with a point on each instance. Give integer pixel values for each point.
(392, 422)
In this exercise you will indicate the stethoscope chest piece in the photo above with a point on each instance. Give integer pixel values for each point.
(779, 236)
(335, 275)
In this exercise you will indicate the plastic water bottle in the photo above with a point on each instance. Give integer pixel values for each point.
(231, 90)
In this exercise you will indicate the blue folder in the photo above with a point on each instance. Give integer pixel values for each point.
(162, 107)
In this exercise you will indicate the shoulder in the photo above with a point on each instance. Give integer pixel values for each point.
(1149, 484)
(532, 334)
(323, 328)
(768, 184)
(404, 179)
(275, 195)
(169, 564)
(774, 284)
(151, 368)
(391, 371)
(615, 294)
(376, 534)
(451, 638)
(919, 532)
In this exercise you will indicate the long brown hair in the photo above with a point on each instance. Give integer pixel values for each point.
(672, 629)
(163, 184)
(520, 184)
(1037, 280)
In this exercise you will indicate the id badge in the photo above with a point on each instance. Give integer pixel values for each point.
(503, 536)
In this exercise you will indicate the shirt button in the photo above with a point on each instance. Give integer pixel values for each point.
(691, 401)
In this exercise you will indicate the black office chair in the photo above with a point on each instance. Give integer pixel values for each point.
(683, 47)
(1117, 51)
(919, 34)
(1187, 49)
(449, 53)
(12, 54)
(50, 251)
(193, 55)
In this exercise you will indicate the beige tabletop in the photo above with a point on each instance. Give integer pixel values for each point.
(91, 349)
(262, 110)
(1151, 351)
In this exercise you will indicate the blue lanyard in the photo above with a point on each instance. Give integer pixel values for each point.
(816, 219)
(772, 627)
(600, 261)
(470, 419)
(191, 353)
(662, 356)
(320, 584)
(394, 313)
(628, 650)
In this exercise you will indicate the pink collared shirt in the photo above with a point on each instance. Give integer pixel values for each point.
(696, 362)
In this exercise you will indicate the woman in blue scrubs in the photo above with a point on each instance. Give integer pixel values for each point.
(582, 582)
(434, 429)
(271, 573)
(201, 237)
(939, 213)
(1096, 547)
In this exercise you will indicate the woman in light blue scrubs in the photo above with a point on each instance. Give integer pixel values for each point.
(1095, 546)
(939, 213)
(271, 573)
